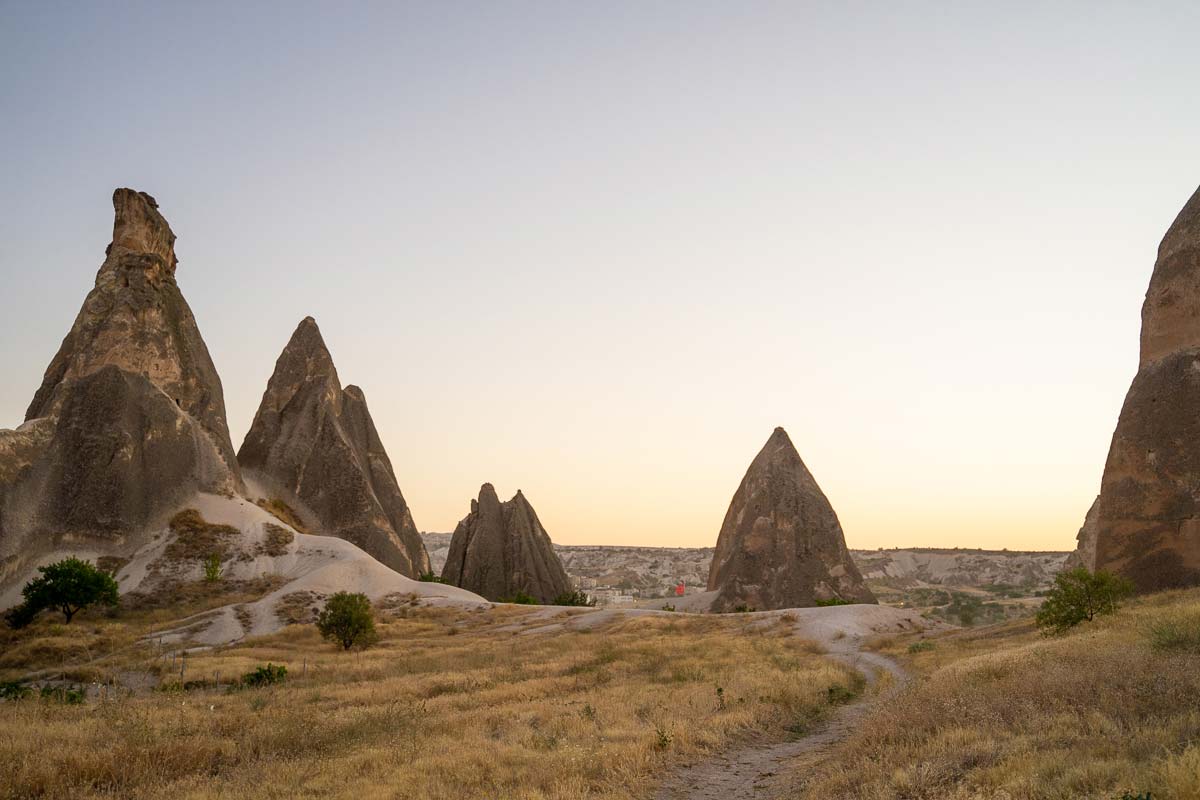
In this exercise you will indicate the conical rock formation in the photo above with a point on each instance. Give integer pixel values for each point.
(500, 549)
(1147, 525)
(314, 446)
(781, 545)
(130, 417)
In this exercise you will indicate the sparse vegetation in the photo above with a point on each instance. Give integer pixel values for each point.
(520, 599)
(430, 577)
(269, 675)
(575, 598)
(833, 601)
(1078, 596)
(276, 540)
(197, 539)
(1005, 712)
(920, 647)
(282, 512)
(14, 690)
(742, 608)
(347, 619)
(67, 586)
(552, 716)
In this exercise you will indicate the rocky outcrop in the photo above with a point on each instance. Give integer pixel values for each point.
(781, 545)
(130, 416)
(314, 446)
(1084, 554)
(1148, 514)
(500, 549)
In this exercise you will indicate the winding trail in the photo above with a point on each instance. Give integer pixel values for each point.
(756, 771)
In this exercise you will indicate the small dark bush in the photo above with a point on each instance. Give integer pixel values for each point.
(348, 620)
(265, 676)
(14, 690)
(67, 695)
(834, 601)
(521, 599)
(668, 607)
(575, 598)
(742, 608)
(429, 577)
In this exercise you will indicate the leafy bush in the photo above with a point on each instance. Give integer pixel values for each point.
(663, 738)
(575, 598)
(13, 690)
(668, 607)
(521, 599)
(67, 695)
(265, 676)
(429, 577)
(742, 608)
(69, 586)
(1079, 595)
(212, 568)
(920, 647)
(347, 619)
(834, 601)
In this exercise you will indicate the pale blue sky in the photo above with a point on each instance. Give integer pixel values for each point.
(597, 251)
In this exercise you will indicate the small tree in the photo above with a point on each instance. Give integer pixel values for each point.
(212, 568)
(574, 598)
(347, 619)
(1078, 596)
(69, 586)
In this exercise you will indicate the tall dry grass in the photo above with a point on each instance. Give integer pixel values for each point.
(451, 704)
(1112, 707)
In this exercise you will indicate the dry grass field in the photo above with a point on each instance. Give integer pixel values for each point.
(1003, 712)
(450, 704)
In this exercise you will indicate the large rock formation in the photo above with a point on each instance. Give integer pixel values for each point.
(1084, 554)
(130, 417)
(500, 549)
(781, 545)
(314, 446)
(1147, 525)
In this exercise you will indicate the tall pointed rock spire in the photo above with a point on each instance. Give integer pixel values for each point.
(1146, 522)
(314, 445)
(781, 545)
(501, 549)
(130, 417)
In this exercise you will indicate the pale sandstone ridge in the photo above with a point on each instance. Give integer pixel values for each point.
(314, 446)
(781, 545)
(130, 416)
(1147, 524)
(500, 549)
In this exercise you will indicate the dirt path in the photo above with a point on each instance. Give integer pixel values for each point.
(756, 771)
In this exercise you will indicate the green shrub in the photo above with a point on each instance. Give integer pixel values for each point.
(575, 598)
(920, 647)
(1078, 596)
(68, 586)
(663, 738)
(1180, 633)
(834, 601)
(212, 568)
(742, 608)
(67, 695)
(668, 607)
(265, 676)
(521, 599)
(347, 619)
(14, 690)
(429, 577)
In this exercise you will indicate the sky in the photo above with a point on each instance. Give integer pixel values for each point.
(598, 251)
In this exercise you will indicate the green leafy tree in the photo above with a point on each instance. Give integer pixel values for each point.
(348, 620)
(1080, 596)
(69, 586)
